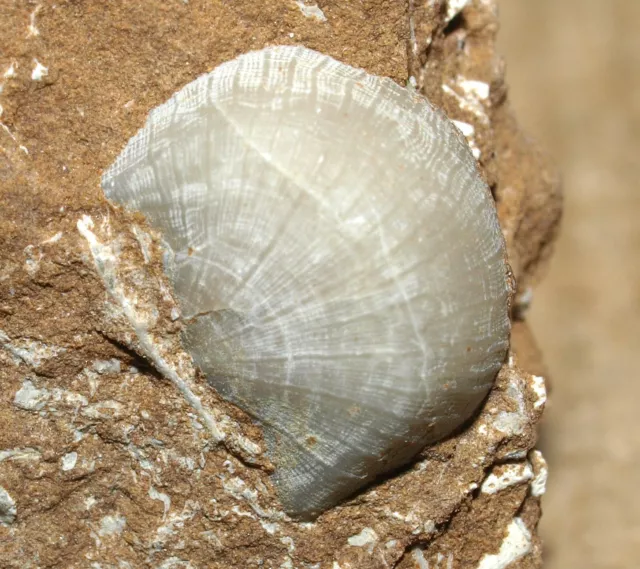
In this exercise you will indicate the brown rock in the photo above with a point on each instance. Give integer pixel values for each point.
(113, 450)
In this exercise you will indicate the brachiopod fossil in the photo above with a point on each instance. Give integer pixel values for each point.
(337, 256)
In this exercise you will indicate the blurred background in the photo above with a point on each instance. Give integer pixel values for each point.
(573, 67)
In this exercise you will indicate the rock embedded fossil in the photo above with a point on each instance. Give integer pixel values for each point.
(337, 257)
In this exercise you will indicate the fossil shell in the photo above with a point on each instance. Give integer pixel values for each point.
(337, 256)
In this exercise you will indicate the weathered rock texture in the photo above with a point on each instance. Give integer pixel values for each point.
(113, 450)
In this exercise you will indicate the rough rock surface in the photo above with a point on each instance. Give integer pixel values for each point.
(113, 450)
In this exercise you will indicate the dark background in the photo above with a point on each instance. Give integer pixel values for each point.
(573, 70)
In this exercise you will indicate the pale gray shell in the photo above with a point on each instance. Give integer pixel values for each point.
(337, 256)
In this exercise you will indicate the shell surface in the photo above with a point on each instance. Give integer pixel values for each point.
(337, 256)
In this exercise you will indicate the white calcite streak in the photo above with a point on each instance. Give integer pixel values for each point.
(8, 509)
(505, 476)
(337, 257)
(39, 71)
(515, 545)
(311, 10)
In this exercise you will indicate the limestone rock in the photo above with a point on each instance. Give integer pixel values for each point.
(113, 450)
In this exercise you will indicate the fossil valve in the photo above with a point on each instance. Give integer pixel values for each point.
(337, 257)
